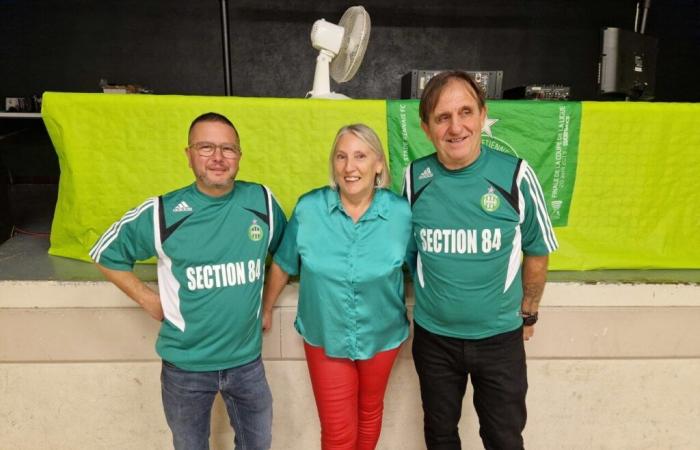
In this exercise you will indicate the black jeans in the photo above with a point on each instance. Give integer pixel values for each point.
(499, 377)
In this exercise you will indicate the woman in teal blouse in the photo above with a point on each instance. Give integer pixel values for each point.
(347, 242)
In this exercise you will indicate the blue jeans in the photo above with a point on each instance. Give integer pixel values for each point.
(498, 372)
(188, 398)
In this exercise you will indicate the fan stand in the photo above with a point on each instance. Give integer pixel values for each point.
(322, 88)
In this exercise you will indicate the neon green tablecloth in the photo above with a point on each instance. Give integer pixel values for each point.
(635, 202)
(637, 197)
(117, 150)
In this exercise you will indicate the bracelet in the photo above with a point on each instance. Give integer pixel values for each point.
(529, 319)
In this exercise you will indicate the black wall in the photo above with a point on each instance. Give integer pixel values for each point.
(174, 46)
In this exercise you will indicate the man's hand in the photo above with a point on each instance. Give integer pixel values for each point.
(534, 278)
(151, 304)
(266, 321)
(275, 280)
(136, 290)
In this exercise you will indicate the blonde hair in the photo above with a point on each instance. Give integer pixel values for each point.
(369, 137)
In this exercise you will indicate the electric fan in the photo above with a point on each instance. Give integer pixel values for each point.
(341, 49)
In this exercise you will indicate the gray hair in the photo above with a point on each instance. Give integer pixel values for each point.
(369, 137)
(438, 83)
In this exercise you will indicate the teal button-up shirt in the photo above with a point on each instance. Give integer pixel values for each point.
(351, 296)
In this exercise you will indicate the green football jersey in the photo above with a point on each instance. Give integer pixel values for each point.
(211, 260)
(470, 229)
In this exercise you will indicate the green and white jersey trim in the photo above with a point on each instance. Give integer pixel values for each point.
(269, 198)
(525, 172)
(112, 232)
(270, 213)
(537, 196)
(168, 285)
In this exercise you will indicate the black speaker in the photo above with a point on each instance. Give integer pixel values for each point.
(490, 81)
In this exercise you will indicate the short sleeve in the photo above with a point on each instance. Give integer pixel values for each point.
(537, 231)
(287, 254)
(128, 240)
(280, 221)
(406, 188)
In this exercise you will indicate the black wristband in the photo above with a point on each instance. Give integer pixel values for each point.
(529, 319)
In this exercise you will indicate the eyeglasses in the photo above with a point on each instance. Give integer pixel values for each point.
(230, 151)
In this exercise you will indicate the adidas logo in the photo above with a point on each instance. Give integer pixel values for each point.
(427, 173)
(182, 207)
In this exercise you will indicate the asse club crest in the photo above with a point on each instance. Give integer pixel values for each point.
(255, 233)
(490, 201)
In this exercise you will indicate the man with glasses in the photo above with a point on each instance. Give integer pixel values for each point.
(211, 239)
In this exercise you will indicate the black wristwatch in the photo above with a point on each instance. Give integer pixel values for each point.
(528, 318)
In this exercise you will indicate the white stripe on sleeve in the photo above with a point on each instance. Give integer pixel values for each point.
(111, 234)
(540, 209)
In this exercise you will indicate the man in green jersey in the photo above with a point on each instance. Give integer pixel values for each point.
(482, 239)
(211, 239)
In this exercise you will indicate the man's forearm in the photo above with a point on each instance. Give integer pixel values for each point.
(136, 289)
(275, 281)
(534, 278)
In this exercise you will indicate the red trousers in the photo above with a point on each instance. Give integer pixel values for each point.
(349, 397)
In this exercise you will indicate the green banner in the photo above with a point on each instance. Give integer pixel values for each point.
(546, 134)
